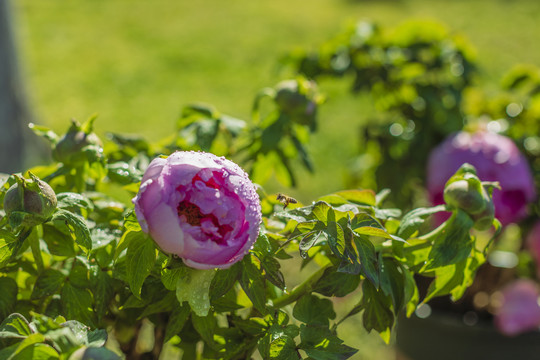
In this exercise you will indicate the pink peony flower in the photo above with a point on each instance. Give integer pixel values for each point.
(199, 206)
(496, 158)
(519, 311)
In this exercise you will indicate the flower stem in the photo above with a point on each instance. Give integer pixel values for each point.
(36, 252)
(305, 287)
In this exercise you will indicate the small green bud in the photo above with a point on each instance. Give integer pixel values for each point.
(469, 195)
(299, 100)
(78, 145)
(464, 195)
(484, 220)
(29, 202)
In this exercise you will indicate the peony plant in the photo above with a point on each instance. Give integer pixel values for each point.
(162, 239)
(426, 106)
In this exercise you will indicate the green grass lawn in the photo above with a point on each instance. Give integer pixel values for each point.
(136, 63)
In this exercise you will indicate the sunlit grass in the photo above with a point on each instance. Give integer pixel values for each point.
(137, 63)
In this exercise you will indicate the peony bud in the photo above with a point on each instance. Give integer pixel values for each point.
(29, 202)
(496, 158)
(298, 99)
(519, 311)
(78, 145)
(199, 206)
(470, 196)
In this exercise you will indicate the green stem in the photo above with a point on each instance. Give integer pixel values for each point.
(36, 252)
(80, 182)
(300, 290)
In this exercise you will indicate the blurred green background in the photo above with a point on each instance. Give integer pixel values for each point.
(137, 63)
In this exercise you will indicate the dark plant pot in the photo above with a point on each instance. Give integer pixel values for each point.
(445, 337)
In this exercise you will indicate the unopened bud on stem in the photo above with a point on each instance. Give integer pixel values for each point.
(29, 202)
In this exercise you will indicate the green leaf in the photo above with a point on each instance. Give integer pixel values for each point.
(16, 326)
(97, 337)
(253, 283)
(316, 211)
(29, 349)
(45, 132)
(64, 339)
(176, 322)
(314, 311)
(454, 279)
(194, 286)
(264, 252)
(368, 259)
(320, 343)
(47, 283)
(412, 221)
(58, 242)
(73, 201)
(7, 244)
(206, 327)
(166, 303)
(101, 237)
(103, 290)
(77, 225)
(130, 221)
(253, 326)
(43, 323)
(336, 283)
(453, 243)
(282, 348)
(8, 296)
(360, 197)
(77, 304)
(336, 238)
(170, 276)
(365, 224)
(224, 280)
(322, 211)
(377, 314)
(304, 156)
(392, 281)
(140, 259)
(278, 343)
(271, 271)
(310, 240)
(100, 353)
(412, 296)
(79, 275)
(125, 240)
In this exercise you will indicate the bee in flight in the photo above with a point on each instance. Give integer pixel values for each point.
(285, 200)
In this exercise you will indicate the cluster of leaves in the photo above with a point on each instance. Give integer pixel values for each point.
(415, 76)
(90, 263)
(48, 338)
(420, 78)
(270, 143)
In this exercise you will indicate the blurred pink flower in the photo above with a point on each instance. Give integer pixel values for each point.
(199, 206)
(519, 311)
(496, 158)
(533, 244)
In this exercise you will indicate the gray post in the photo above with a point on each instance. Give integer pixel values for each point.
(14, 114)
